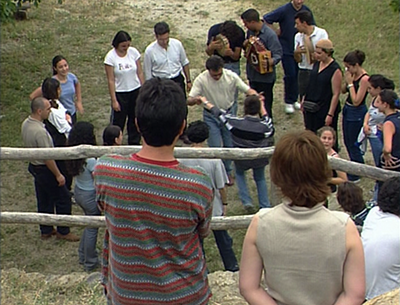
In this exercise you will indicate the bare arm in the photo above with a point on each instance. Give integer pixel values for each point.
(367, 129)
(139, 72)
(336, 82)
(388, 132)
(78, 102)
(186, 71)
(36, 93)
(354, 269)
(342, 176)
(52, 166)
(357, 97)
(251, 267)
(111, 87)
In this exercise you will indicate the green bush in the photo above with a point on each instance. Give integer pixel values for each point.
(8, 8)
(395, 4)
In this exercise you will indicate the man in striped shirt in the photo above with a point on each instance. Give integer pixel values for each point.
(156, 210)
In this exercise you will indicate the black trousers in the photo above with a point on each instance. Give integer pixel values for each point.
(50, 196)
(127, 103)
(267, 88)
(180, 80)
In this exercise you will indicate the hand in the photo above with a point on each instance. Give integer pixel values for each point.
(60, 179)
(367, 130)
(390, 161)
(229, 52)
(79, 107)
(115, 105)
(68, 118)
(188, 87)
(262, 99)
(349, 78)
(380, 127)
(300, 49)
(328, 120)
(215, 45)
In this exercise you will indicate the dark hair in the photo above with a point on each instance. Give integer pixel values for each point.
(299, 166)
(197, 132)
(304, 16)
(121, 36)
(326, 128)
(161, 111)
(37, 103)
(214, 63)
(161, 28)
(110, 133)
(354, 57)
(230, 30)
(350, 197)
(81, 133)
(50, 88)
(389, 196)
(379, 81)
(250, 15)
(390, 97)
(252, 105)
(55, 61)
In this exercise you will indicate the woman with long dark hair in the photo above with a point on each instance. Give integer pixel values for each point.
(85, 193)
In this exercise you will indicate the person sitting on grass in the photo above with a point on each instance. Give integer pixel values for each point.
(254, 130)
(350, 198)
(197, 133)
(112, 135)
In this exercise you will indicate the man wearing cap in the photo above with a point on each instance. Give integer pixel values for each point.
(166, 58)
(51, 191)
(304, 44)
(284, 15)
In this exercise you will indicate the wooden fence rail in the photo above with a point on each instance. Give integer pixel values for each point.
(217, 223)
(87, 151)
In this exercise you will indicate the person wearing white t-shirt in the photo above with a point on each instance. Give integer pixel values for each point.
(306, 38)
(125, 77)
(218, 86)
(166, 58)
(381, 241)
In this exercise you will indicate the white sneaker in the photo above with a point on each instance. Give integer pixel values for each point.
(289, 109)
(297, 105)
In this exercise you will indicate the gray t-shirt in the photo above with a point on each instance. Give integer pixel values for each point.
(215, 169)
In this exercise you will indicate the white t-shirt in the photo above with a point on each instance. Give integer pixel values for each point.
(316, 36)
(381, 241)
(125, 69)
(57, 118)
(164, 63)
(220, 93)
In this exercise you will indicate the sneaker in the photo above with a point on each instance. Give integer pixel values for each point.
(289, 109)
(297, 106)
(67, 237)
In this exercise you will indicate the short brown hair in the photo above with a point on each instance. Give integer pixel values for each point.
(350, 197)
(299, 166)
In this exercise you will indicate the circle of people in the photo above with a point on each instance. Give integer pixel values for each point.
(313, 82)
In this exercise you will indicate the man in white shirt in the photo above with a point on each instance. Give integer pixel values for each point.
(304, 42)
(166, 58)
(218, 85)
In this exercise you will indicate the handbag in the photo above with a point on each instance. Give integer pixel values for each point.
(311, 106)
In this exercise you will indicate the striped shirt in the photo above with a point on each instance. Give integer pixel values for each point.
(156, 213)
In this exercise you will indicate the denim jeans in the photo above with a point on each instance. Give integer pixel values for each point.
(262, 190)
(50, 196)
(235, 67)
(219, 136)
(291, 68)
(88, 255)
(224, 244)
(353, 120)
(376, 147)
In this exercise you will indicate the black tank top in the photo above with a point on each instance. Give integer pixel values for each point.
(356, 84)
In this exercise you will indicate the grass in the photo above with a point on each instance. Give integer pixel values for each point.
(82, 31)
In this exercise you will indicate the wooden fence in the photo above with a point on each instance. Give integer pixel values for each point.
(87, 151)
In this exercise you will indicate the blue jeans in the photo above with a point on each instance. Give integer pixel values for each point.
(219, 136)
(235, 67)
(353, 120)
(291, 68)
(376, 147)
(224, 244)
(262, 190)
(88, 255)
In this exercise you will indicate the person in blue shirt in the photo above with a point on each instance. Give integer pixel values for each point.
(284, 15)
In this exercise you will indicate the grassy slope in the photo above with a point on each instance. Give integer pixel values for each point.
(82, 31)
